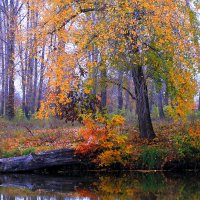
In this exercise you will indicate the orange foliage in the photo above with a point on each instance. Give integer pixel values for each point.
(104, 137)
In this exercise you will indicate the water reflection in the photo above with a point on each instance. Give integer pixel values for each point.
(139, 186)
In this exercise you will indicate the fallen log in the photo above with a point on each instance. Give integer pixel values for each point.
(54, 158)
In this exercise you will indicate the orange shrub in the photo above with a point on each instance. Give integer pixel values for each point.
(105, 138)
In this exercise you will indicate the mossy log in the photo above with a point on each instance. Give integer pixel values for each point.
(48, 159)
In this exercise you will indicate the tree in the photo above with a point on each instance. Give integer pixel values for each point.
(2, 65)
(9, 12)
(152, 37)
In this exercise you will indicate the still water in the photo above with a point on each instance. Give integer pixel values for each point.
(98, 186)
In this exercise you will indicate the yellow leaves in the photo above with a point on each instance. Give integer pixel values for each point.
(43, 113)
(110, 157)
(183, 88)
(87, 90)
(117, 120)
(88, 86)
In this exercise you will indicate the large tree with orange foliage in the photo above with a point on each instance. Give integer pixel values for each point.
(154, 36)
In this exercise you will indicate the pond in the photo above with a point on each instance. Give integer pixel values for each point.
(101, 186)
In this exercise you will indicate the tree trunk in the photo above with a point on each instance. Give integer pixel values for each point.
(41, 79)
(151, 95)
(6, 25)
(127, 96)
(34, 94)
(31, 62)
(35, 66)
(11, 68)
(103, 87)
(160, 104)
(23, 80)
(142, 103)
(166, 97)
(94, 58)
(120, 90)
(199, 102)
(3, 68)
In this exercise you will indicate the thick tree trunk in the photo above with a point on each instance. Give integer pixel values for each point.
(62, 157)
(142, 103)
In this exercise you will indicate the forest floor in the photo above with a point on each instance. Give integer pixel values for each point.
(174, 141)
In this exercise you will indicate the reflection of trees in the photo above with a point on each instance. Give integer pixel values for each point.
(138, 186)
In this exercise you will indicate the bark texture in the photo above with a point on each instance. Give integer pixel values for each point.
(142, 103)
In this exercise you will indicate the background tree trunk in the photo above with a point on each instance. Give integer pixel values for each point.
(35, 81)
(120, 89)
(127, 95)
(160, 104)
(42, 68)
(103, 87)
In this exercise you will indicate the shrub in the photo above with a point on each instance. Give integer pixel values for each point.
(19, 115)
(103, 137)
(152, 157)
(187, 147)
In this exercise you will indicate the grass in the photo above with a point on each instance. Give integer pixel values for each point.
(152, 157)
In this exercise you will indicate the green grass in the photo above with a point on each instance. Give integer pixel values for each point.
(152, 157)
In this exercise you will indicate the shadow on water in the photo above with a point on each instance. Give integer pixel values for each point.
(91, 186)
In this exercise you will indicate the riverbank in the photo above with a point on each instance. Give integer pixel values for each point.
(65, 161)
(176, 146)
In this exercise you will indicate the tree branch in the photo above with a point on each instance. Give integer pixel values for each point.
(123, 87)
(86, 10)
